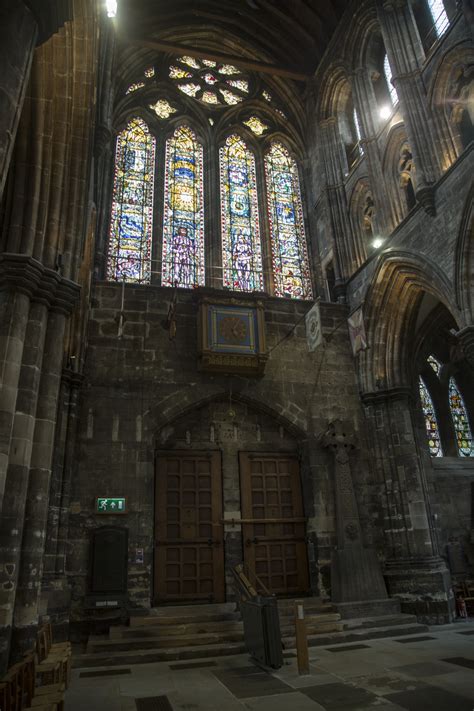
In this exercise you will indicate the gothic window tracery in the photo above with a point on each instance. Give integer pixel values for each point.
(130, 233)
(460, 421)
(432, 431)
(183, 222)
(240, 226)
(290, 258)
(252, 173)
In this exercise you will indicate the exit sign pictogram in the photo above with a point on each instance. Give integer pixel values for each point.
(111, 505)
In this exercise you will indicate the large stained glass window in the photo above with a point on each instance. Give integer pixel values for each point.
(460, 421)
(183, 224)
(289, 251)
(432, 431)
(129, 252)
(241, 248)
(440, 18)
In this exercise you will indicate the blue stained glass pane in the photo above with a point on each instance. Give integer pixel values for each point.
(183, 225)
(289, 251)
(431, 423)
(241, 248)
(460, 421)
(129, 250)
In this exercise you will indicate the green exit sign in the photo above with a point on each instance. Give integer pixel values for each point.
(111, 505)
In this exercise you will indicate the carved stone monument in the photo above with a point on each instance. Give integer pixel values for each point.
(356, 573)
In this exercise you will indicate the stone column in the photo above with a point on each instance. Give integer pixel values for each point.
(355, 570)
(19, 278)
(54, 589)
(18, 34)
(368, 112)
(345, 259)
(414, 571)
(16, 485)
(26, 611)
(406, 56)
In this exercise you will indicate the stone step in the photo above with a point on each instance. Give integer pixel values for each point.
(173, 615)
(380, 621)
(96, 645)
(168, 629)
(115, 658)
(358, 635)
(288, 631)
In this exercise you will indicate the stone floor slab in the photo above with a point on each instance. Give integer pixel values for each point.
(424, 669)
(430, 698)
(335, 697)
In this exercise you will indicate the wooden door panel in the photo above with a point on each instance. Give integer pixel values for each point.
(189, 554)
(274, 537)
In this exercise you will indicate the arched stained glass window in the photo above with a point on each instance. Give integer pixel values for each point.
(289, 251)
(460, 421)
(129, 251)
(183, 223)
(241, 248)
(432, 431)
(387, 69)
(440, 18)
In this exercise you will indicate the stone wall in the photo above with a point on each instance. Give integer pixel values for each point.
(143, 392)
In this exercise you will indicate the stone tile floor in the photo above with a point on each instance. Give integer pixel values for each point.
(426, 675)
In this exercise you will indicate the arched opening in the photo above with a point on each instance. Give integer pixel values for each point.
(228, 490)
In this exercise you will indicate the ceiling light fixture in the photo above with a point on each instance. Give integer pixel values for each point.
(385, 112)
(111, 6)
(377, 242)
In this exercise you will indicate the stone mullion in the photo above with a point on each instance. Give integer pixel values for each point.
(11, 526)
(26, 611)
(406, 57)
(213, 236)
(367, 110)
(18, 34)
(265, 231)
(337, 201)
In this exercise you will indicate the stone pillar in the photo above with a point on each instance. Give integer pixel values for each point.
(18, 34)
(11, 521)
(26, 611)
(54, 589)
(414, 571)
(355, 570)
(368, 112)
(466, 339)
(19, 278)
(345, 258)
(406, 56)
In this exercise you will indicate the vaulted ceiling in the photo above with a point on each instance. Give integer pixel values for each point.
(291, 34)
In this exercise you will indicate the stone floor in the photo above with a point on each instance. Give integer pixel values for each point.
(434, 671)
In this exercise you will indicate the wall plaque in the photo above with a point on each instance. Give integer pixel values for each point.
(232, 336)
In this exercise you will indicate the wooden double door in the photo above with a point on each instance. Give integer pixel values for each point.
(189, 546)
(274, 527)
(189, 530)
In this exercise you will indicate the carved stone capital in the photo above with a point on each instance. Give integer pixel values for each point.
(19, 272)
(426, 196)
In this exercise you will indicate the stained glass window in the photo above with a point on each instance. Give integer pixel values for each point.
(135, 87)
(163, 109)
(440, 18)
(388, 76)
(241, 248)
(256, 125)
(460, 421)
(183, 225)
(289, 251)
(132, 205)
(210, 82)
(431, 424)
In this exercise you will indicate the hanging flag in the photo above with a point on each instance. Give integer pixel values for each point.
(314, 330)
(356, 326)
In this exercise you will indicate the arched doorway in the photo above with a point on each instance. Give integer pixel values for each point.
(227, 490)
